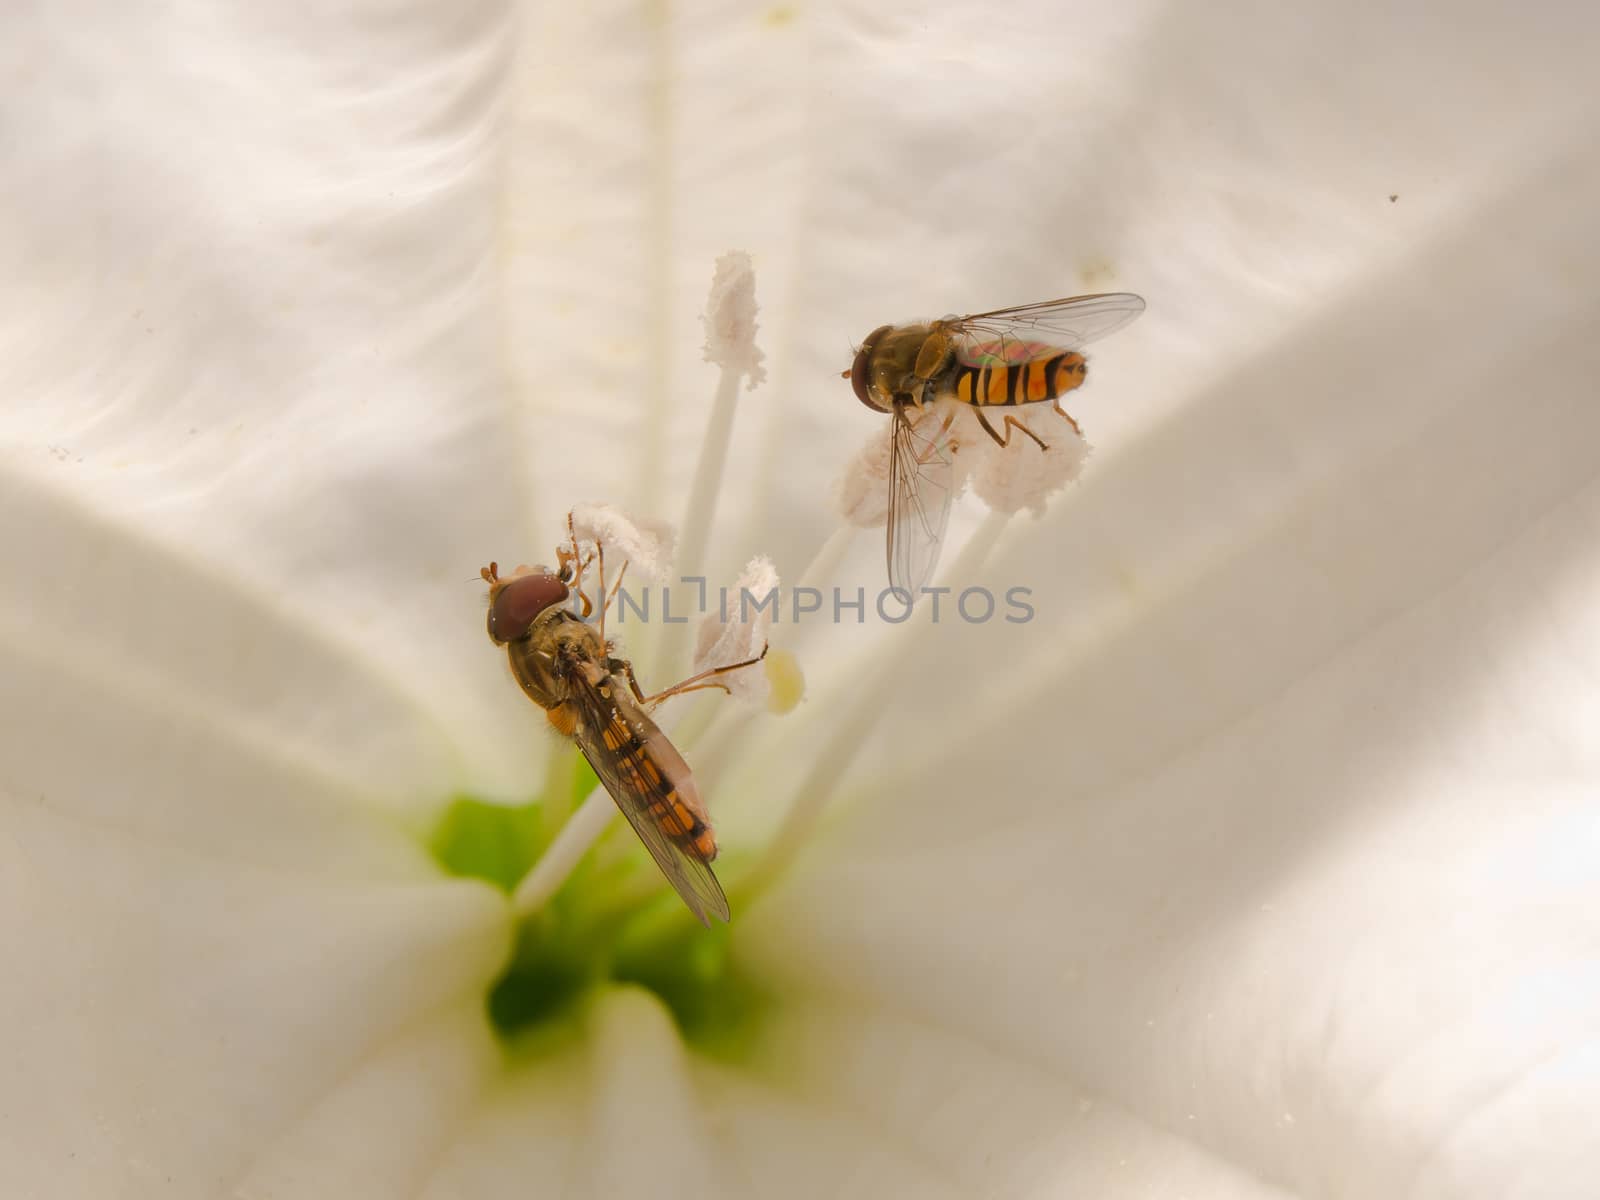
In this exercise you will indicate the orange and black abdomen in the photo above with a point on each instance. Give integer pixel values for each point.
(699, 841)
(663, 805)
(998, 383)
(675, 819)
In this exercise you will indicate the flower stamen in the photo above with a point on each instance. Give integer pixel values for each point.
(869, 690)
(730, 321)
(560, 858)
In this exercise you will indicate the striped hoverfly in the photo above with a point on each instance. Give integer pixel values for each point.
(1030, 354)
(567, 667)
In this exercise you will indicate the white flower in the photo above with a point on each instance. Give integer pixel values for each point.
(1259, 862)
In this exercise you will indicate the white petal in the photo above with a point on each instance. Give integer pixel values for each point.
(251, 457)
(1271, 827)
(261, 335)
(783, 1147)
(640, 150)
(645, 1132)
(190, 1009)
(620, 1109)
(936, 1112)
(385, 1124)
(178, 671)
(526, 1135)
(1281, 817)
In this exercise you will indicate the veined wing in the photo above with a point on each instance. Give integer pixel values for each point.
(651, 784)
(921, 489)
(1032, 330)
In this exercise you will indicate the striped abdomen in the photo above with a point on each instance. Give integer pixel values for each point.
(654, 773)
(995, 382)
(683, 825)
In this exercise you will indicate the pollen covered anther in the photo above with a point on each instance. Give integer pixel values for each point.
(730, 319)
(736, 628)
(1022, 476)
(861, 491)
(646, 546)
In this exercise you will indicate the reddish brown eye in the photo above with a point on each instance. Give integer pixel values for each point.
(858, 369)
(520, 602)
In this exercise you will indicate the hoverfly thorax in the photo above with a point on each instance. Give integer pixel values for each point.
(516, 603)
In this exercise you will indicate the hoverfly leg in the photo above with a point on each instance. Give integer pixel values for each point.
(695, 683)
(1013, 423)
(615, 587)
(600, 558)
(572, 575)
(1066, 416)
(626, 667)
(572, 539)
(607, 595)
(571, 561)
(989, 429)
(577, 568)
(1010, 423)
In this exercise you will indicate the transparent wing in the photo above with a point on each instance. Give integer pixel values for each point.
(650, 782)
(1031, 330)
(921, 489)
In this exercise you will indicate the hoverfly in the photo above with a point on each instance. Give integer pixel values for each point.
(567, 667)
(1000, 359)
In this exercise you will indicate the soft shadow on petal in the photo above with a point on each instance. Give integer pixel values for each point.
(968, 1120)
(785, 1146)
(1287, 805)
(641, 1085)
(185, 1009)
(613, 1114)
(250, 314)
(196, 685)
(385, 1124)
(525, 1137)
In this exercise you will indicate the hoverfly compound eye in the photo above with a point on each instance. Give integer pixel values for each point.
(518, 604)
(861, 369)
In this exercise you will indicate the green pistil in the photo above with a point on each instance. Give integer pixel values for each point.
(614, 920)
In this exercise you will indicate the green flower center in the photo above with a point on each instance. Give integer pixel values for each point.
(613, 921)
